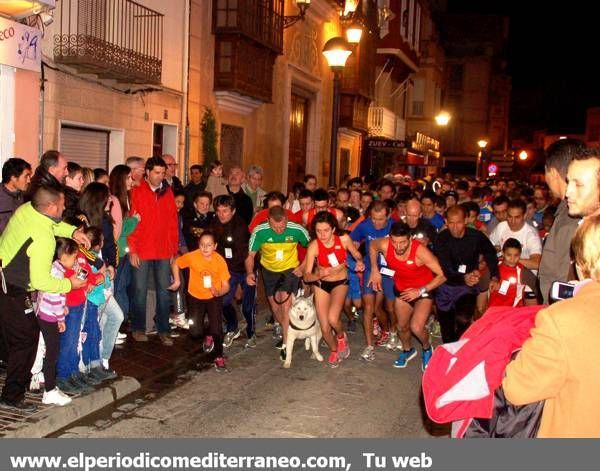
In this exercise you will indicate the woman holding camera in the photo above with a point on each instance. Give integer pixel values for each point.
(557, 363)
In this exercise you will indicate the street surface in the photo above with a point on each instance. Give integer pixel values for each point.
(259, 398)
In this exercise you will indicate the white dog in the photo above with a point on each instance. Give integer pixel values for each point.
(303, 325)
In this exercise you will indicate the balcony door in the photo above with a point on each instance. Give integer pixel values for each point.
(298, 134)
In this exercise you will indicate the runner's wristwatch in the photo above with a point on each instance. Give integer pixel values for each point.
(423, 291)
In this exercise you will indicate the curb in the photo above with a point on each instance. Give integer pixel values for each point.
(54, 418)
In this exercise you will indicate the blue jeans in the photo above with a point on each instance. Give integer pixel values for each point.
(68, 358)
(248, 304)
(111, 320)
(91, 346)
(123, 284)
(161, 271)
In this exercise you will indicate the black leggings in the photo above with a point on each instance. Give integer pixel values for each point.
(213, 308)
(454, 322)
(51, 336)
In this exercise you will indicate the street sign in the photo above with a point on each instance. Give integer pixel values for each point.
(385, 144)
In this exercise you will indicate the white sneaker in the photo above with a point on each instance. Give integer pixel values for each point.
(121, 336)
(56, 397)
(180, 321)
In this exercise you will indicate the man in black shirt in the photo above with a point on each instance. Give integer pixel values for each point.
(232, 236)
(243, 203)
(195, 186)
(458, 249)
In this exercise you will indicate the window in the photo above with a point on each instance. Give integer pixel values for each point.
(411, 22)
(225, 57)
(227, 13)
(417, 28)
(418, 97)
(404, 21)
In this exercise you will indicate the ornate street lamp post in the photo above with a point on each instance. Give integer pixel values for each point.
(336, 51)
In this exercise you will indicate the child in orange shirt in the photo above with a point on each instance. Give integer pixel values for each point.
(209, 281)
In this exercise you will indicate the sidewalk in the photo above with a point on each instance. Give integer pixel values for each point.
(138, 363)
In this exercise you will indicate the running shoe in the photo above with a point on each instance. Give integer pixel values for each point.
(376, 327)
(180, 321)
(343, 348)
(230, 337)
(368, 354)
(405, 357)
(277, 331)
(282, 354)
(220, 365)
(334, 360)
(251, 342)
(392, 342)
(425, 357)
(209, 344)
(383, 339)
(279, 345)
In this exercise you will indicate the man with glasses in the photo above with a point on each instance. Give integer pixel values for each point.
(171, 174)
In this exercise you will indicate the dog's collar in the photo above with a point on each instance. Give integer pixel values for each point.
(298, 328)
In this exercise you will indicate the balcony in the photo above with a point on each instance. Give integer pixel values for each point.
(384, 123)
(112, 39)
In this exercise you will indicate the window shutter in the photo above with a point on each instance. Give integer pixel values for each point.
(87, 147)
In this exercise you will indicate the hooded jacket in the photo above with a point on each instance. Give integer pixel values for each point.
(156, 237)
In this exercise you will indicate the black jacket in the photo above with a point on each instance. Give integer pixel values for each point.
(9, 202)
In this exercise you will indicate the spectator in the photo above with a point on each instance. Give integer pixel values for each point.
(555, 364)
(198, 220)
(195, 186)
(73, 187)
(16, 175)
(151, 247)
(310, 182)
(136, 164)
(243, 203)
(101, 176)
(27, 248)
(50, 173)
(556, 253)
(171, 173)
(252, 187)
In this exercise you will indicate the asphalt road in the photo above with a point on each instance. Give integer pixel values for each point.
(259, 398)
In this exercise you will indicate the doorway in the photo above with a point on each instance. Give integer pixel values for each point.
(298, 134)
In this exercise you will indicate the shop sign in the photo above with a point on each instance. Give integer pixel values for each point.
(385, 144)
(20, 45)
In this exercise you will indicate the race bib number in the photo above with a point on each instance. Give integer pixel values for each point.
(504, 287)
(462, 269)
(279, 255)
(207, 281)
(333, 261)
(228, 252)
(386, 271)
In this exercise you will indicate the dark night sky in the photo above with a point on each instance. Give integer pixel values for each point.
(551, 55)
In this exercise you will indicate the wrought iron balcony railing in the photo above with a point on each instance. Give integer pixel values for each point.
(384, 123)
(113, 39)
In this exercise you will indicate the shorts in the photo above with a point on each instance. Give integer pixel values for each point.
(329, 286)
(414, 301)
(353, 286)
(282, 281)
(387, 283)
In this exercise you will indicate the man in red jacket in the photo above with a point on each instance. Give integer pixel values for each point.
(152, 247)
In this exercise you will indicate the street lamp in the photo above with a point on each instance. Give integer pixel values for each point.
(336, 51)
(482, 160)
(354, 33)
(292, 19)
(523, 155)
(443, 118)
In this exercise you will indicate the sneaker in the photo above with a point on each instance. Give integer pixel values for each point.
(251, 342)
(351, 328)
(425, 357)
(220, 365)
(376, 327)
(119, 341)
(282, 354)
(71, 387)
(434, 328)
(121, 335)
(334, 360)
(383, 339)
(277, 331)
(20, 406)
(55, 397)
(88, 379)
(279, 345)
(208, 345)
(230, 337)
(165, 339)
(180, 321)
(368, 354)
(405, 357)
(102, 373)
(343, 348)
(392, 342)
(139, 336)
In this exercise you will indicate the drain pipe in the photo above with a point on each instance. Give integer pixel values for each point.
(42, 110)
(186, 84)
